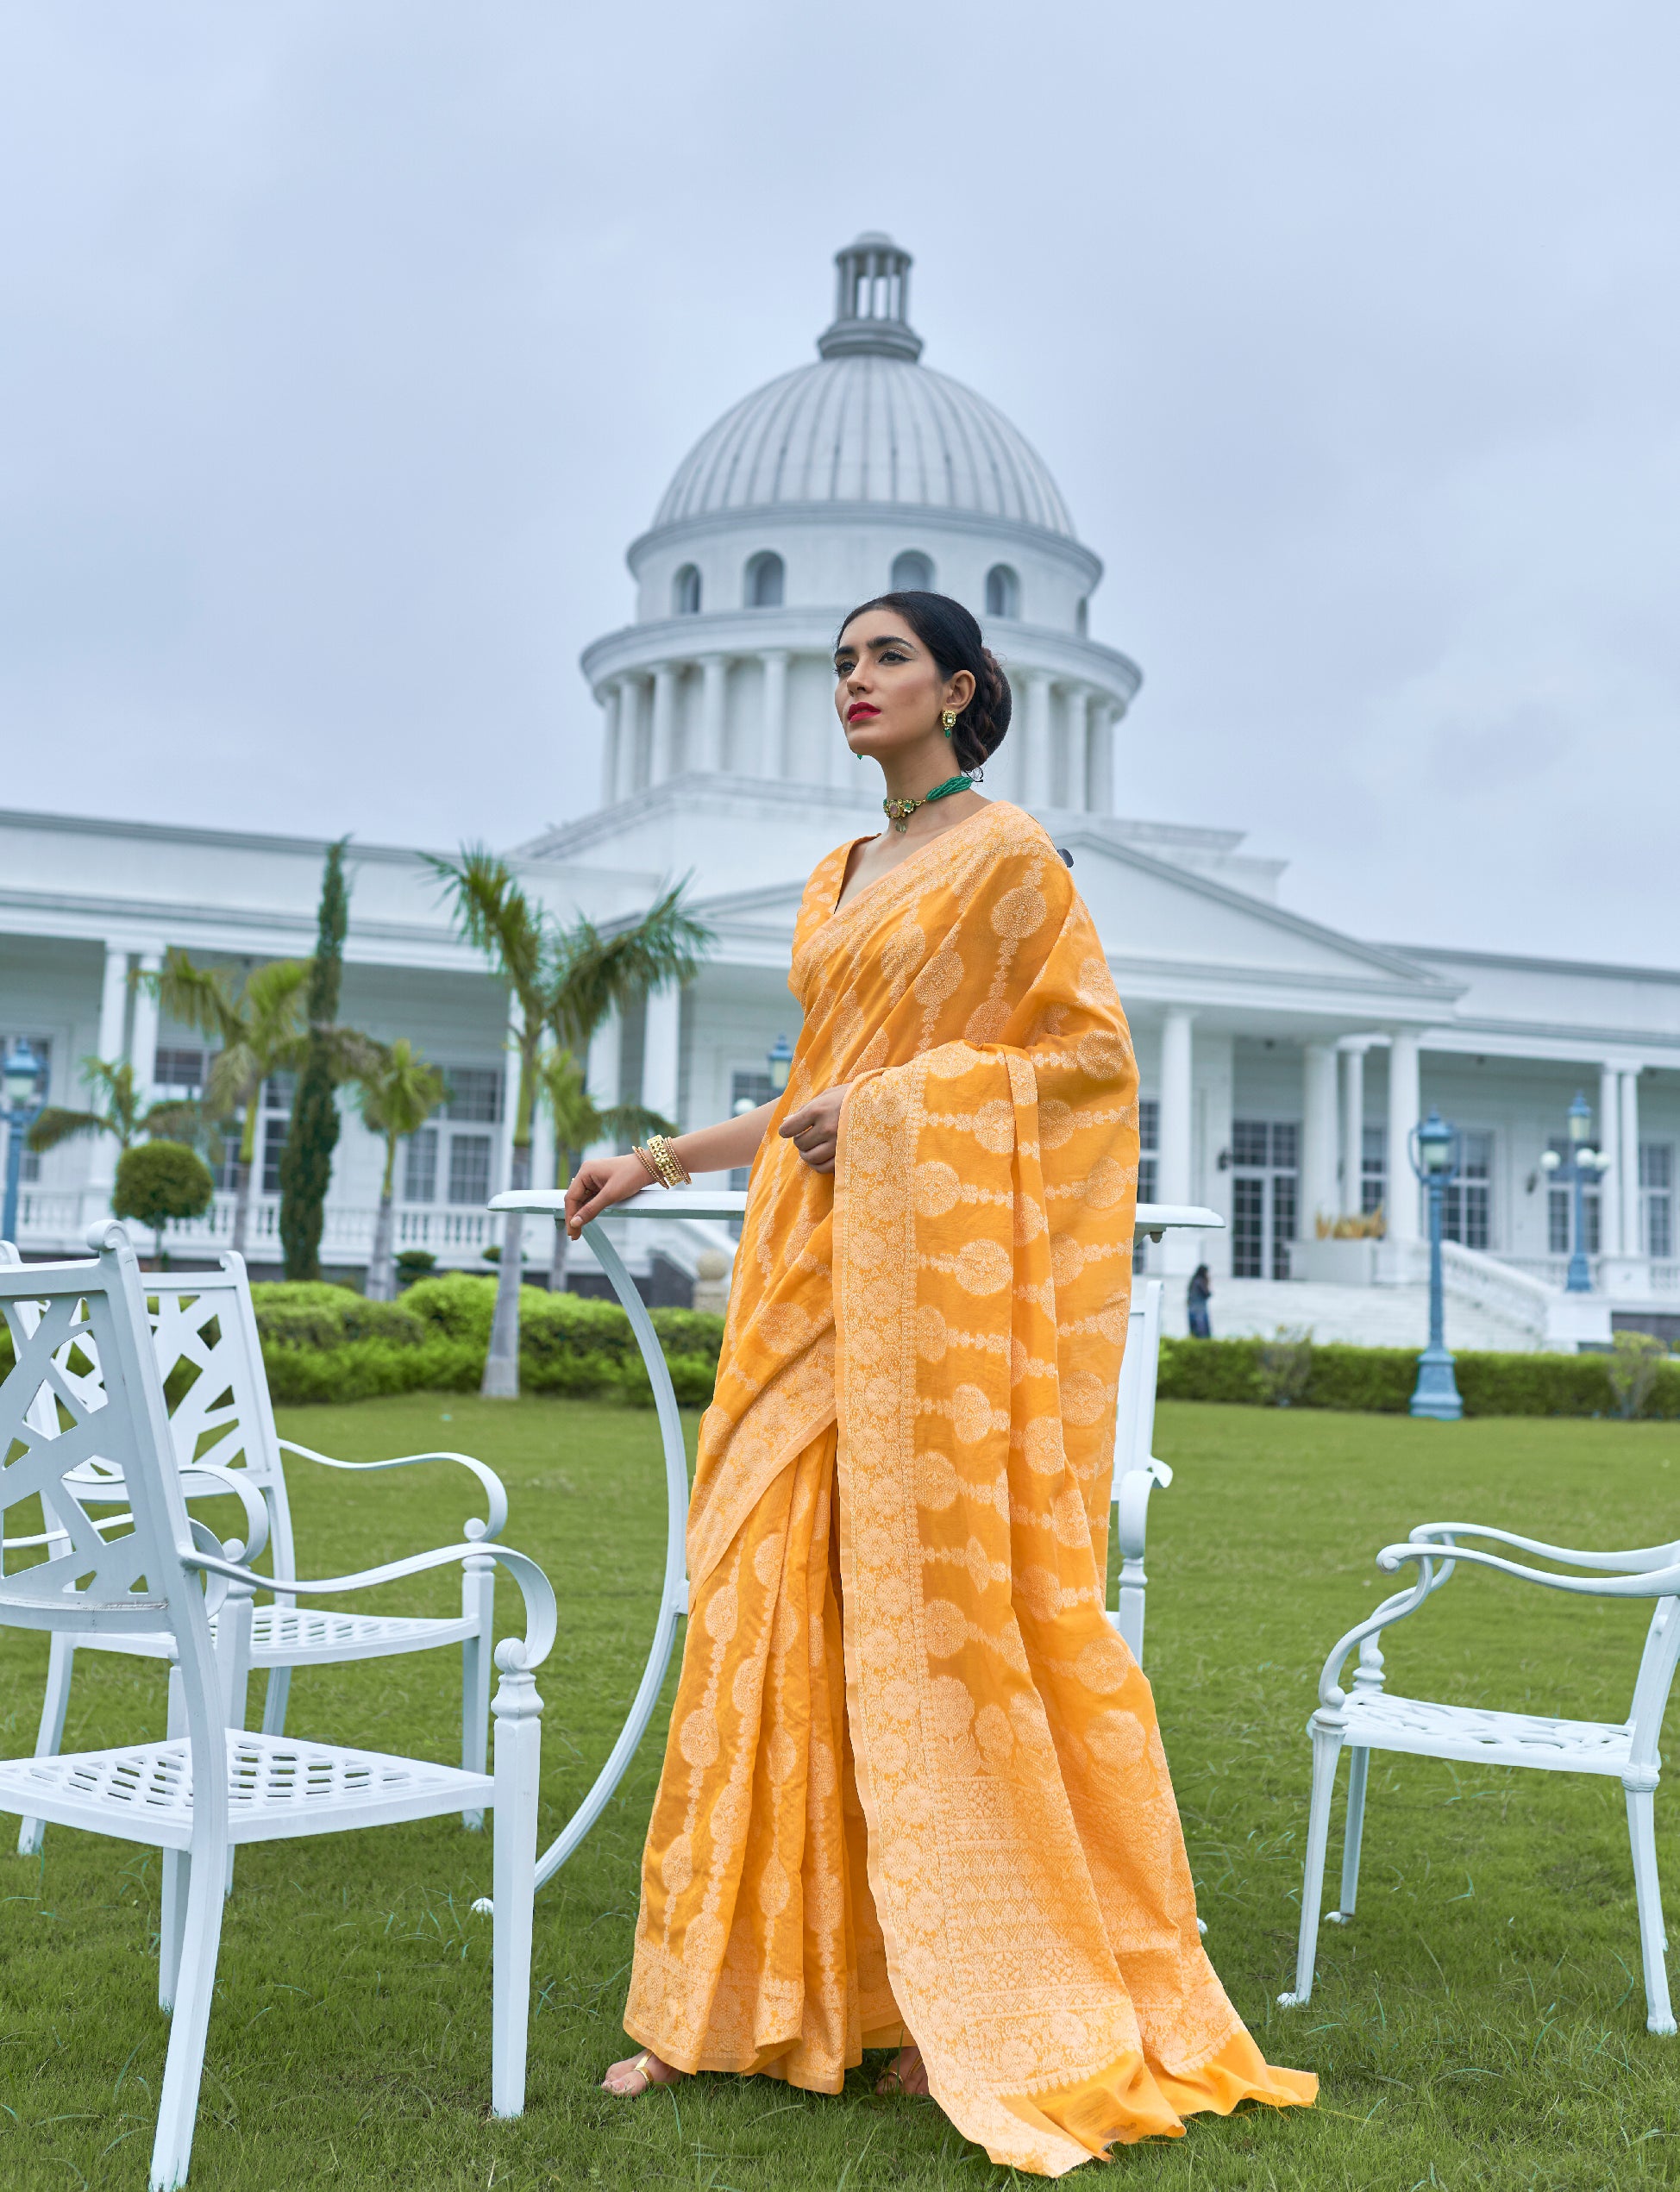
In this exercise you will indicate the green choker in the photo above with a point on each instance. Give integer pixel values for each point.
(900, 811)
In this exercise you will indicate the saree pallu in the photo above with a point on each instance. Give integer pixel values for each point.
(914, 1785)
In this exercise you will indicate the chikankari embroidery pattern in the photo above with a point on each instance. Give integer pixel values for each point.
(914, 1780)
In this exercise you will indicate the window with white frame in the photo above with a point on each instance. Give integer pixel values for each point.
(1467, 1205)
(29, 1171)
(1656, 1199)
(453, 1159)
(747, 1091)
(1559, 1220)
(1373, 1169)
(912, 571)
(420, 1167)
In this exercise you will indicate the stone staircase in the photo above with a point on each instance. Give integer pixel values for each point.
(1360, 1316)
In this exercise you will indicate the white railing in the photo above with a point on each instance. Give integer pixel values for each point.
(1518, 1297)
(48, 1213)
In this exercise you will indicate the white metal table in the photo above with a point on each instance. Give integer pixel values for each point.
(1153, 1219)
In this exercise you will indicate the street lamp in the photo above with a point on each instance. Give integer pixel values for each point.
(1582, 1164)
(1434, 1150)
(24, 1080)
(779, 1060)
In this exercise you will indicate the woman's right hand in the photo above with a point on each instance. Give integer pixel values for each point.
(598, 1183)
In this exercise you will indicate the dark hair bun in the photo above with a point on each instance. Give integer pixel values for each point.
(981, 727)
(951, 636)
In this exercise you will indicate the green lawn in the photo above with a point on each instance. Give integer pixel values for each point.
(1482, 2025)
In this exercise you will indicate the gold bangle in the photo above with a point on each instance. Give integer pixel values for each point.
(671, 1169)
(649, 1165)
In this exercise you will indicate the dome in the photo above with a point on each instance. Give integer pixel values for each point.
(867, 423)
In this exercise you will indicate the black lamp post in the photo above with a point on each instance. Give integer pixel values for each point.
(1435, 1158)
(779, 1060)
(24, 1080)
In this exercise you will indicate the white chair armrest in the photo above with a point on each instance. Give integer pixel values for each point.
(1638, 1562)
(199, 1481)
(493, 1527)
(1652, 1583)
(541, 1612)
(1131, 1504)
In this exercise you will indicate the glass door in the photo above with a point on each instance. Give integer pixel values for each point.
(1265, 1170)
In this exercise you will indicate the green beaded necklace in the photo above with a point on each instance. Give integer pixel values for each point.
(900, 811)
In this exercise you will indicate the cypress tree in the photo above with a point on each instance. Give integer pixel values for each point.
(306, 1161)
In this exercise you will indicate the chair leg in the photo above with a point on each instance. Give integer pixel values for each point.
(518, 1758)
(1653, 1941)
(184, 2068)
(1358, 1765)
(177, 1878)
(60, 1663)
(1326, 1748)
(478, 1604)
(274, 1700)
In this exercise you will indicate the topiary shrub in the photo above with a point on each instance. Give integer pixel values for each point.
(158, 1181)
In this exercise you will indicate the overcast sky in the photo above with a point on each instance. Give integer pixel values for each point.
(346, 345)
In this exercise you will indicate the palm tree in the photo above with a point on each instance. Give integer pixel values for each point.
(578, 1122)
(396, 1094)
(115, 1110)
(258, 1023)
(563, 979)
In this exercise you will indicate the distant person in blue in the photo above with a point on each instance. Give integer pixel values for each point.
(1196, 1300)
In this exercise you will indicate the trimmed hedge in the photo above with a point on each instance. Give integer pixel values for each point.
(1378, 1381)
(326, 1343)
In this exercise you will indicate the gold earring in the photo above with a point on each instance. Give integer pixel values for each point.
(949, 719)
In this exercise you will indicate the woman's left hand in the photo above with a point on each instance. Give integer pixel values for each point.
(814, 1129)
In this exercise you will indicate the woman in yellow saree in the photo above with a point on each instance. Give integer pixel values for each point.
(914, 1796)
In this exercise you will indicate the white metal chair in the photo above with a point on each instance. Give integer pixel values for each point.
(1371, 1719)
(204, 1336)
(201, 1792)
(1137, 1472)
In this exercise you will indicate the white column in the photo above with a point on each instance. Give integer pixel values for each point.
(1100, 757)
(665, 724)
(613, 713)
(1405, 1110)
(1036, 756)
(714, 673)
(1632, 1241)
(601, 1071)
(661, 1051)
(630, 778)
(776, 755)
(1353, 1127)
(143, 1049)
(1180, 1251)
(1076, 749)
(1318, 1196)
(1607, 1129)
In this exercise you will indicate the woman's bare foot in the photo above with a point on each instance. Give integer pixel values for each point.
(640, 2074)
(905, 2073)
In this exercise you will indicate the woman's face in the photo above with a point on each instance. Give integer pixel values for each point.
(889, 692)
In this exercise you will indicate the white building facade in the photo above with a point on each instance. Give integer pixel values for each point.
(1283, 1062)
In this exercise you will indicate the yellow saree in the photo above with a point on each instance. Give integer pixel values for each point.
(914, 1784)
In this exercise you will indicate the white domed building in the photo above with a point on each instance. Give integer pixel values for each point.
(862, 471)
(1283, 1062)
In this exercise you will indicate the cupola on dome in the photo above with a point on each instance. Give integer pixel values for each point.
(868, 423)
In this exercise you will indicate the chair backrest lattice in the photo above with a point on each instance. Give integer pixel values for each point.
(127, 1574)
(209, 1361)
